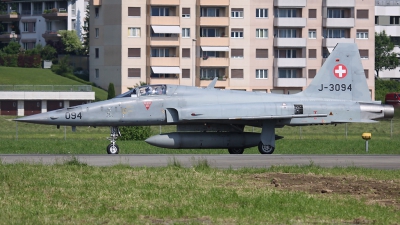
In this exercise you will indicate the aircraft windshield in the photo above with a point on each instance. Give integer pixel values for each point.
(152, 90)
(130, 93)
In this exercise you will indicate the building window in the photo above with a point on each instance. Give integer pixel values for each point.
(261, 33)
(312, 73)
(160, 52)
(29, 27)
(134, 11)
(336, 13)
(312, 53)
(364, 53)
(237, 33)
(49, 26)
(334, 33)
(362, 34)
(133, 52)
(394, 19)
(134, 72)
(185, 52)
(312, 34)
(133, 31)
(376, 20)
(210, 73)
(186, 12)
(185, 73)
(366, 74)
(286, 53)
(97, 75)
(287, 33)
(29, 45)
(312, 13)
(186, 32)
(237, 12)
(209, 12)
(236, 73)
(287, 73)
(97, 32)
(96, 50)
(362, 14)
(261, 53)
(261, 13)
(96, 12)
(160, 11)
(261, 74)
(286, 13)
(237, 53)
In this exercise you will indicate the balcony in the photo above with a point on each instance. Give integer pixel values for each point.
(290, 62)
(163, 2)
(97, 2)
(338, 3)
(331, 42)
(61, 14)
(290, 42)
(214, 41)
(290, 82)
(290, 22)
(164, 41)
(214, 2)
(173, 81)
(290, 3)
(164, 20)
(51, 35)
(213, 62)
(214, 21)
(164, 61)
(7, 17)
(7, 37)
(338, 22)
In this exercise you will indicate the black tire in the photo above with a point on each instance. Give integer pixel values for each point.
(235, 150)
(112, 149)
(265, 149)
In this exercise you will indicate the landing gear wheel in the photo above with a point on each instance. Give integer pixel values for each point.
(265, 149)
(112, 149)
(235, 150)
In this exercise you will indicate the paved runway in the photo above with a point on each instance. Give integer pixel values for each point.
(218, 161)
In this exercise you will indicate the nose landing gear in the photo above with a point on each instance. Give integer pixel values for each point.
(113, 148)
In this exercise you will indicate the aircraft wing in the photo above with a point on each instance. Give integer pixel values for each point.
(248, 111)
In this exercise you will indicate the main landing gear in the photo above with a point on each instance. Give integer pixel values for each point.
(113, 148)
(265, 149)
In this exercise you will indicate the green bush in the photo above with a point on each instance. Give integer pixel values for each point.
(111, 91)
(382, 87)
(135, 133)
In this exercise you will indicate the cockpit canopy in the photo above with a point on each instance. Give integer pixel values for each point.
(148, 90)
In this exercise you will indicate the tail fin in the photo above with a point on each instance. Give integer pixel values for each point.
(341, 76)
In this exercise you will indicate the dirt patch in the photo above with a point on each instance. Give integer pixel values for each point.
(374, 191)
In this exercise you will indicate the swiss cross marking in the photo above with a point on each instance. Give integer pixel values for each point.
(340, 71)
(147, 104)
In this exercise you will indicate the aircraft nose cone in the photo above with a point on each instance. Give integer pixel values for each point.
(38, 118)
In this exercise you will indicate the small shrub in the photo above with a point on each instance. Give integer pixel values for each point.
(135, 133)
(111, 91)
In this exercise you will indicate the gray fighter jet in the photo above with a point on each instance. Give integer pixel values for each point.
(214, 118)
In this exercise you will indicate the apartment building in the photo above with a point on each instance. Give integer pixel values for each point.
(254, 45)
(36, 22)
(387, 18)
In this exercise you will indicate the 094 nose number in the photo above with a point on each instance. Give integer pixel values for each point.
(73, 115)
(336, 87)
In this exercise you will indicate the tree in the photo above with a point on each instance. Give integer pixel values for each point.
(70, 41)
(385, 58)
(48, 53)
(12, 48)
(111, 91)
(86, 35)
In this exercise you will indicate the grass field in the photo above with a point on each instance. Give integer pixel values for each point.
(74, 193)
(34, 76)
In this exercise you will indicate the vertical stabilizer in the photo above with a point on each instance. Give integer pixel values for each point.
(341, 76)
